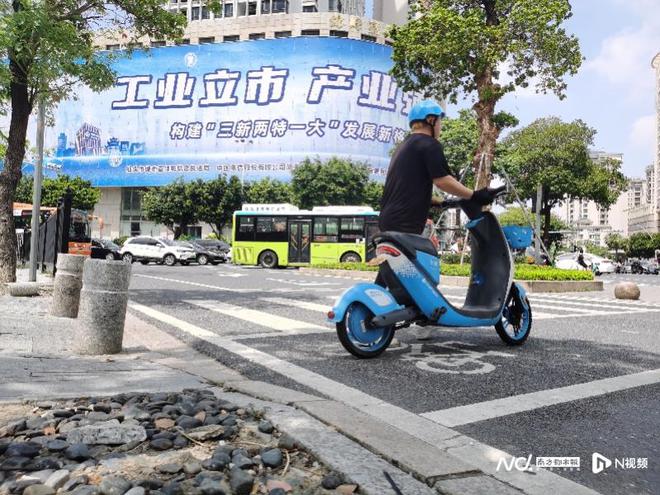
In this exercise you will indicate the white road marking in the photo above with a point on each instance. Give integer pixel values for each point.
(483, 456)
(261, 318)
(302, 284)
(196, 284)
(462, 415)
(298, 303)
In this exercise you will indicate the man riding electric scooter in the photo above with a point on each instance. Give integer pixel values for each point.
(406, 290)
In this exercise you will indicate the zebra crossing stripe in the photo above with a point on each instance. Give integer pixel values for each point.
(261, 318)
(284, 301)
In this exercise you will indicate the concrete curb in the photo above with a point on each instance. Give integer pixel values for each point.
(531, 286)
(314, 422)
(448, 466)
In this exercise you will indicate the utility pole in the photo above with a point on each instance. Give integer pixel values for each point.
(36, 190)
(537, 238)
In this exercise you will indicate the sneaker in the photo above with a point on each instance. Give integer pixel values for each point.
(422, 333)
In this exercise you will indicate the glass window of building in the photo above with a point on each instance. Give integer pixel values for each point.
(205, 12)
(310, 8)
(334, 5)
(155, 44)
(228, 10)
(257, 36)
(184, 41)
(252, 7)
(265, 6)
(310, 32)
(206, 40)
(241, 8)
(112, 47)
(232, 37)
(280, 6)
(367, 37)
(195, 14)
(283, 34)
(339, 34)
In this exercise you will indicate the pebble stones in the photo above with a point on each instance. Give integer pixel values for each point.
(23, 449)
(161, 444)
(240, 481)
(331, 481)
(57, 445)
(272, 458)
(39, 490)
(114, 485)
(192, 468)
(266, 426)
(77, 452)
(170, 468)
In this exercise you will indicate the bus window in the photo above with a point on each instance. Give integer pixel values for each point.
(245, 230)
(271, 229)
(352, 229)
(326, 229)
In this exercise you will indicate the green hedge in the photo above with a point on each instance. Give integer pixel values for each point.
(523, 271)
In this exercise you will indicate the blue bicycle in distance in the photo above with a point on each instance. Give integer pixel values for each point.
(367, 315)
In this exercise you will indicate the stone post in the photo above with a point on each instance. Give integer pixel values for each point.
(66, 289)
(103, 301)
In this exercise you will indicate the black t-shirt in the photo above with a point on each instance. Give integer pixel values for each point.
(408, 187)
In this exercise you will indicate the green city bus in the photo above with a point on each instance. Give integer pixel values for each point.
(283, 235)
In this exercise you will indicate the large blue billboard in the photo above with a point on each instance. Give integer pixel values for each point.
(251, 108)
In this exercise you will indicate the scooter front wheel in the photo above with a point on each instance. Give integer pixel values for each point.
(360, 339)
(516, 322)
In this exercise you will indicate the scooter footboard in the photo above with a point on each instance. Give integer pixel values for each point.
(376, 298)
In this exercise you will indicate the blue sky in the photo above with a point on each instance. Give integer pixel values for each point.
(614, 92)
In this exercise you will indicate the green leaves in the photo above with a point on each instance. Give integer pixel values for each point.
(335, 182)
(84, 195)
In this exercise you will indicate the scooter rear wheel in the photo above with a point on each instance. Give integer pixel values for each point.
(515, 334)
(357, 338)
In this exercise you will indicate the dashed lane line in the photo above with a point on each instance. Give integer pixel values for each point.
(483, 456)
(472, 413)
(297, 303)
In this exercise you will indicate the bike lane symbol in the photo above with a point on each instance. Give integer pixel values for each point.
(459, 359)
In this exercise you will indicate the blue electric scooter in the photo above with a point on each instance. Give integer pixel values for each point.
(367, 315)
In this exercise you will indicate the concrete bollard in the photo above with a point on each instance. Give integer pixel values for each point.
(66, 289)
(23, 289)
(626, 290)
(103, 300)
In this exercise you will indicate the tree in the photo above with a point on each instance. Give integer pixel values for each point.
(220, 200)
(616, 242)
(555, 155)
(643, 245)
(373, 193)
(84, 195)
(47, 48)
(175, 205)
(335, 182)
(486, 49)
(268, 191)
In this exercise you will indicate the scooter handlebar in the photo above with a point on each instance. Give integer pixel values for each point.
(463, 203)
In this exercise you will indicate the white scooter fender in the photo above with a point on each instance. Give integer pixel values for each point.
(376, 298)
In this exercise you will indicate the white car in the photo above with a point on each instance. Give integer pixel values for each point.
(569, 261)
(602, 265)
(145, 249)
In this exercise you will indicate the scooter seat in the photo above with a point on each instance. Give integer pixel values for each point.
(409, 243)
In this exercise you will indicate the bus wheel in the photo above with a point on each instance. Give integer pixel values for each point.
(350, 257)
(268, 259)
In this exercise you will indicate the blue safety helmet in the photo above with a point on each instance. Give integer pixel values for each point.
(423, 109)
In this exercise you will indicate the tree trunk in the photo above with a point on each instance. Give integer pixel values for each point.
(11, 174)
(488, 131)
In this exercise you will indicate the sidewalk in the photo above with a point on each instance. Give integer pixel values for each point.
(37, 365)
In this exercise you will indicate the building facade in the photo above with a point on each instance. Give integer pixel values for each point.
(646, 217)
(250, 91)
